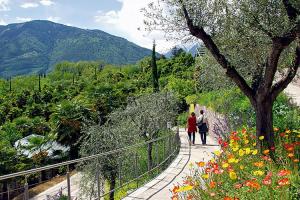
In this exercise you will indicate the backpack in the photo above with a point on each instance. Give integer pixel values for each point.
(199, 123)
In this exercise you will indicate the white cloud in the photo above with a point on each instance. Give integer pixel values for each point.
(23, 19)
(2, 22)
(29, 5)
(54, 19)
(4, 5)
(46, 2)
(129, 23)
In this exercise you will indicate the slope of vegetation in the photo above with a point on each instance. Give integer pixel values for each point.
(36, 46)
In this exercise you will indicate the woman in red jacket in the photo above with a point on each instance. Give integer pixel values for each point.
(192, 127)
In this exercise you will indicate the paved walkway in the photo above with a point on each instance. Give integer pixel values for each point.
(75, 179)
(160, 188)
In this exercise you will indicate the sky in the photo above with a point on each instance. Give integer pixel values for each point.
(118, 17)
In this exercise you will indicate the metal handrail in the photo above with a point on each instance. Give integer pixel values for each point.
(39, 169)
(87, 158)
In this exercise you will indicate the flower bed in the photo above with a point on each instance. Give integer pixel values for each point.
(240, 171)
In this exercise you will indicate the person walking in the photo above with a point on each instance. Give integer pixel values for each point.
(192, 127)
(203, 126)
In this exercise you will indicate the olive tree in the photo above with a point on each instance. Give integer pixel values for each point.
(142, 120)
(261, 36)
(149, 115)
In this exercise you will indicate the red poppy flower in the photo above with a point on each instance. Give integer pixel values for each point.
(283, 182)
(282, 134)
(284, 172)
(207, 170)
(267, 181)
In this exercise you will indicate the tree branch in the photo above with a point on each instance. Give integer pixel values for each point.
(231, 72)
(278, 45)
(291, 11)
(283, 83)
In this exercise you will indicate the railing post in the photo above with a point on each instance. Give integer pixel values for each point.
(169, 147)
(26, 194)
(98, 184)
(120, 172)
(68, 183)
(8, 191)
(136, 170)
(164, 149)
(157, 158)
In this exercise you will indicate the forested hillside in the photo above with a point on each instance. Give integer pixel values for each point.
(36, 46)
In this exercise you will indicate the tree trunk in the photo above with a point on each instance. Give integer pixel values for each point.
(264, 123)
(150, 158)
(112, 187)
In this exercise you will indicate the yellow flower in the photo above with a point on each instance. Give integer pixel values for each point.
(235, 149)
(231, 160)
(217, 153)
(232, 175)
(247, 150)
(225, 165)
(258, 173)
(236, 160)
(288, 131)
(254, 152)
(242, 167)
(298, 136)
(205, 176)
(261, 137)
(246, 141)
(276, 129)
(254, 144)
(241, 152)
(185, 188)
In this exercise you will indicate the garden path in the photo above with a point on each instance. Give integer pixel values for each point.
(160, 188)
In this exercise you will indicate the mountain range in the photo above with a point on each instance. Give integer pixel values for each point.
(36, 46)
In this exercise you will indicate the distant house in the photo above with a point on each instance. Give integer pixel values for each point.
(53, 149)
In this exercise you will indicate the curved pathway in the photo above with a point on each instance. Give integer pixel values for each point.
(160, 188)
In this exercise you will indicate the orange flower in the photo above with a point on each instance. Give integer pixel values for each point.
(212, 184)
(291, 155)
(227, 198)
(200, 164)
(238, 186)
(212, 194)
(252, 184)
(189, 197)
(283, 182)
(175, 197)
(296, 160)
(276, 129)
(284, 172)
(259, 164)
(266, 151)
(175, 189)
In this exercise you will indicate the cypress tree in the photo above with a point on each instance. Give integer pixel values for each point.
(10, 84)
(39, 82)
(154, 70)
